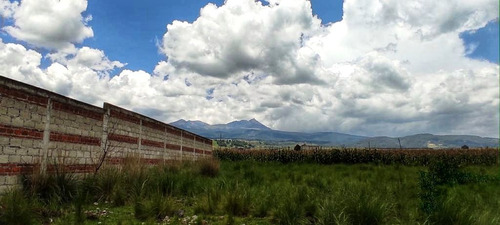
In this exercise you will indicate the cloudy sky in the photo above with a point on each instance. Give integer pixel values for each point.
(367, 67)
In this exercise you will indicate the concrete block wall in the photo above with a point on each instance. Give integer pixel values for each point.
(39, 128)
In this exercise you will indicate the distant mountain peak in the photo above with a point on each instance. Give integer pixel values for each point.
(248, 124)
(189, 124)
(254, 130)
(240, 124)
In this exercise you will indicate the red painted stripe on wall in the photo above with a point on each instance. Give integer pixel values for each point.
(123, 138)
(23, 96)
(73, 109)
(20, 132)
(173, 147)
(153, 125)
(198, 151)
(125, 117)
(187, 136)
(12, 169)
(152, 143)
(152, 161)
(174, 131)
(76, 139)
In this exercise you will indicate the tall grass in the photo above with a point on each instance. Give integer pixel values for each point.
(252, 192)
(16, 209)
(439, 199)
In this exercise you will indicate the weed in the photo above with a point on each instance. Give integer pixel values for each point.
(331, 213)
(367, 209)
(16, 209)
(208, 167)
(59, 186)
(237, 202)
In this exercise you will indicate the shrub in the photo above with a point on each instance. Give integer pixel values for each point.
(59, 186)
(208, 167)
(209, 203)
(289, 212)
(156, 207)
(367, 210)
(330, 212)
(16, 209)
(237, 203)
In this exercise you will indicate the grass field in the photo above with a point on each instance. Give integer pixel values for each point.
(252, 192)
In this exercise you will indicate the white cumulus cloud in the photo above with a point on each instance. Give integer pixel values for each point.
(51, 24)
(242, 36)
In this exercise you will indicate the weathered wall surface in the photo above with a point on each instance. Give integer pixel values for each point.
(39, 128)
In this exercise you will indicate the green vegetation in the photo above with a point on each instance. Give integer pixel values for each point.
(356, 156)
(253, 192)
(238, 144)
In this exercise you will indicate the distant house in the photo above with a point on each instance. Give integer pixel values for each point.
(310, 147)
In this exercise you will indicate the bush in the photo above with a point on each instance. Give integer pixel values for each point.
(156, 207)
(330, 212)
(16, 209)
(208, 167)
(59, 186)
(237, 202)
(289, 212)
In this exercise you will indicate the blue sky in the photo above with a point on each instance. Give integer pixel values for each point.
(368, 67)
(137, 26)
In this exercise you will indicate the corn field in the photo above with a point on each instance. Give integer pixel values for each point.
(423, 157)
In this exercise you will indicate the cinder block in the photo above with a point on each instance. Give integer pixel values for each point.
(27, 143)
(73, 154)
(20, 105)
(31, 107)
(9, 102)
(15, 142)
(4, 141)
(25, 114)
(14, 159)
(64, 116)
(4, 159)
(39, 125)
(67, 123)
(11, 180)
(36, 117)
(13, 112)
(27, 159)
(81, 160)
(3, 109)
(7, 150)
(41, 110)
(29, 124)
(60, 128)
(5, 119)
(33, 152)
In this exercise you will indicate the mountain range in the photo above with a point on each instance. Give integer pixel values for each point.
(254, 130)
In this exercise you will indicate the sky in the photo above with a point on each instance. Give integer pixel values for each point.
(366, 67)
